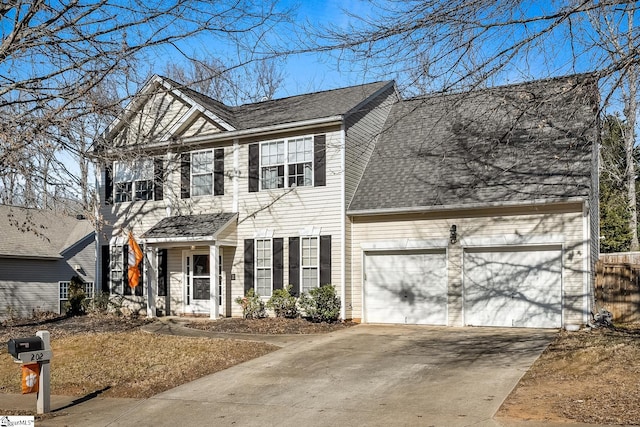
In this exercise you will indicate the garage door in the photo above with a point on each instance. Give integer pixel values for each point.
(518, 287)
(406, 287)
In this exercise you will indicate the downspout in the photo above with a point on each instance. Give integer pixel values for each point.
(343, 225)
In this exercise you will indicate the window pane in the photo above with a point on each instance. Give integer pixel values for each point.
(123, 192)
(309, 279)
(202, 185)
(272, 177)
(144, 190)
(202, 162)
(64, 290)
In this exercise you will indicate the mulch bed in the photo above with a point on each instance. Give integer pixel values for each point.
(268, 326)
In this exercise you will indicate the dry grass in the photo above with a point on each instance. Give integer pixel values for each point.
(119, 360)
(586, 376)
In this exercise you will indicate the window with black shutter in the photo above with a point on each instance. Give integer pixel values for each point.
(287, 163)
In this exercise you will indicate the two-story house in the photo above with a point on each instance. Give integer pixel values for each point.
(468, 209)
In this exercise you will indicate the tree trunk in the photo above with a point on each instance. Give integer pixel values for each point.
(630, 109)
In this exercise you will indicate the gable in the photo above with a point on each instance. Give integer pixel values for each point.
(152, 119)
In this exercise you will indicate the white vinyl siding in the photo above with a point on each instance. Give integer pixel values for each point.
(153, 119)
(493, 224)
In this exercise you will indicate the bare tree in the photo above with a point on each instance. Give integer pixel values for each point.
(54, 57)
(233, 85)
(440, 45)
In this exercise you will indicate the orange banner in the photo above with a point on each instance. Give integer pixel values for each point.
(30, 378)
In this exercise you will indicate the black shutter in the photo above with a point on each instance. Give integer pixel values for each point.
(139, 290)
(158, 178)
(162, 272)
(319, 161)
(278, 278)
(106, 268)
(248, 265)
(254, 168)
(126, 290)
(294, 265)
(325, 260)
(218, 172)
(185, 175)
(108, 184)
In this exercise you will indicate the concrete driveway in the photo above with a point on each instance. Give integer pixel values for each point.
(371, 375)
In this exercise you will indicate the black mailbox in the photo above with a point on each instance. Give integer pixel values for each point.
(23, 345)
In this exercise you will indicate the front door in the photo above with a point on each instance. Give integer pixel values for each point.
(198, 282)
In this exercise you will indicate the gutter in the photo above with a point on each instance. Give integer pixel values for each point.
(227, 135)
(461, 206)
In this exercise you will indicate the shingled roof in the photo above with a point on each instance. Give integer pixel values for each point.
(36, 233)
(292, 109)
(511, 144)
(189, 226)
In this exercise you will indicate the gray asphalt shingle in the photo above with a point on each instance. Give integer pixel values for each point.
(39, 233)
(186, 226)
(515, 143)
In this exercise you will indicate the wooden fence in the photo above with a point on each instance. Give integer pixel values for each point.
(618, 285)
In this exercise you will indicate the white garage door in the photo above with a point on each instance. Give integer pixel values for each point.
(406, 287)
(518, 287)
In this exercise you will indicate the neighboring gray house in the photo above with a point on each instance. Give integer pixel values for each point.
(477, 208)
(39, 253)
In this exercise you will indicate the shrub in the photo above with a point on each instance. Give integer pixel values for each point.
(321, 305)
(252, 305)
(100, 304)
(76, 305)
(283, 303)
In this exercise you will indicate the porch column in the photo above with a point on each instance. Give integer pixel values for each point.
(151, 278)
(213, 282)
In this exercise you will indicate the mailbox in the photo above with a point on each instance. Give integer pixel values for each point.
(24, 345)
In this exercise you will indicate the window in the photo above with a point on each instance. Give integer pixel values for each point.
(116, 269)
(134, 180)
(64, 290)
(300, 159)
(202, 173)
(263, 267)
(309, 263)
(287, 162)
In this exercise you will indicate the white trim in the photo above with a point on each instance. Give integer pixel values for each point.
(465, 207)
(586, 263)
(214, 308)
(263, 233)
(236, 175)
(311, 231)
(255, 265)
(150, 262)
(343, 222)
(512, 240)
(316, 267)
(255, 132)
(404, 244)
